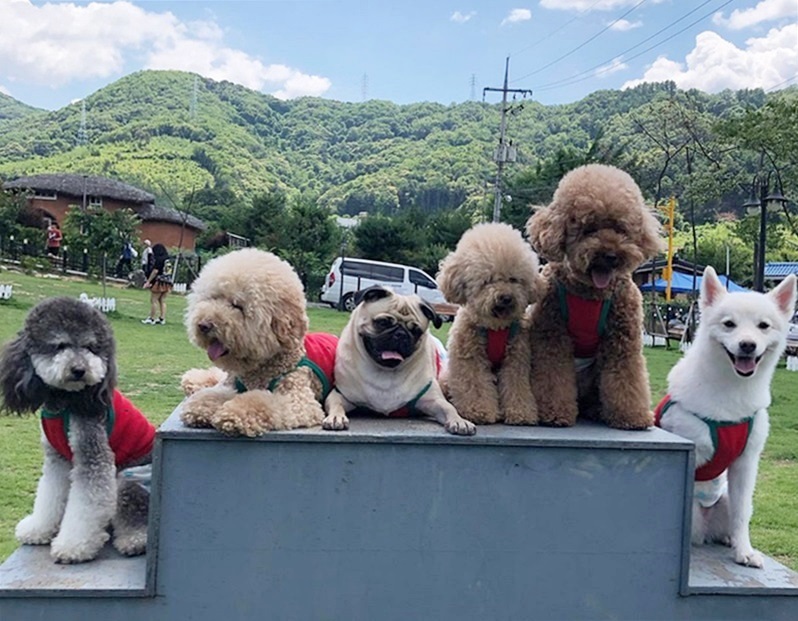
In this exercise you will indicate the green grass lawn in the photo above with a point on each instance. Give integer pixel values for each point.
(151, 360)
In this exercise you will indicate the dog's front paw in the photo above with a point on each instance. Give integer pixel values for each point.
(460, 427)
(196, 415)
(480, 416)
(131, 543)
(749, 557)
(195, 380)
(527, 416)
(335, 422)
(629, 420)
(31, 531)
(68, 549)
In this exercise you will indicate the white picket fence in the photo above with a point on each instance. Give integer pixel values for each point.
(179, 287)
(106, 305)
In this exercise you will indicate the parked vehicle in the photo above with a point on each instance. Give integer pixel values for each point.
(359, 274)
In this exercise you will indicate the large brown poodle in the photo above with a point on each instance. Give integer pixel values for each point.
(493, 275)
(587, 351)
(247, 310)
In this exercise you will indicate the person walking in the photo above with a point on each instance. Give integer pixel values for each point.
(159, 282)
(54, 238)
(124, 265)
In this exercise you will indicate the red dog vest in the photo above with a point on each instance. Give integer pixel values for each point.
(586, 321)
(728, 439)
(130, 434)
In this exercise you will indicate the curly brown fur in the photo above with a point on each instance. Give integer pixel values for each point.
(594, 234)
(247, 310)
(493, 275)
(63, 359)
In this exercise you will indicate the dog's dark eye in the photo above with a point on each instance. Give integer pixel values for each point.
(383, 323)
(513, 280)
(763, 325)
(60, 346)
(729, 324)
(590, 229)
(416, 330)
(237, 306)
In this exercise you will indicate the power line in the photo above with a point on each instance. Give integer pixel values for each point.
(583, 44)
(782, 83)
(576, 77)
(556, 30)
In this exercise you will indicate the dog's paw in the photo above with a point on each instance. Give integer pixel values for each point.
(133, 543)
(31, 531)
(335, 422)
(460, 427)
(65, 549)
(479, 417)
(749, 557)
(195, 417)
(521, 417)
(194, 380)
(629, 422)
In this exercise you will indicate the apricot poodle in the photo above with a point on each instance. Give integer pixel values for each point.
(247, 310)
(587, 351)
(493, 275)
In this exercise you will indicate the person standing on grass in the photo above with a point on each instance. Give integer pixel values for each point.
(54, 238)
(146, 257)
(159, 282)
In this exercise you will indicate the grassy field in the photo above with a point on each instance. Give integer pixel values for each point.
(151, 360)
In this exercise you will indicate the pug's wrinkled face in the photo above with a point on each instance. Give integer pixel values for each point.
(392, 327)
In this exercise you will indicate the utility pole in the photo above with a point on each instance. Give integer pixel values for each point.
(504, 152)
(83, 136)
(473, 87)
(364, 87)
(192, 108)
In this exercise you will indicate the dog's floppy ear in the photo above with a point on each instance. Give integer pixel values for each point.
(22, 390)
(785, 295)
(430, 314)
(712, 289)
(451, 279)
(546, 230)
(372, 294)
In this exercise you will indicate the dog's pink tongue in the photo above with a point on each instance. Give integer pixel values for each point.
(391, 355)
(601, 278)
(216, 350)
(744, 365)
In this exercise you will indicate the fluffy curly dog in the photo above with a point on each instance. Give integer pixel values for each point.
(493, 275)
(63, 361)
(587, 354)
(247, 310)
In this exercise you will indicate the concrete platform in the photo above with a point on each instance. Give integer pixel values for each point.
(396, 519)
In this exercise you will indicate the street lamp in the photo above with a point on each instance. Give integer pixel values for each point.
(762, 202)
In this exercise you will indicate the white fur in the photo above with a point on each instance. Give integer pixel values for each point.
(705, 382)
(57, 370)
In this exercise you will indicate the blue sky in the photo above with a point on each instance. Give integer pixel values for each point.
(405, 51)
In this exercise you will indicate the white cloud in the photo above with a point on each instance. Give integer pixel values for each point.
(55, 44)
(462, 18)
(765, 11)
(622, 25)
(517, 15)
(614, 67)
(716, 64)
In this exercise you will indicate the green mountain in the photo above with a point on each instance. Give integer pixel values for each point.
(173, 133)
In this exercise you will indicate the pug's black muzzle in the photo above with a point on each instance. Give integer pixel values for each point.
(391, 347)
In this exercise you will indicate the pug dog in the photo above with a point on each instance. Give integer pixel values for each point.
(387, 362)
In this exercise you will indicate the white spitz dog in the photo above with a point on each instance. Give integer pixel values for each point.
(718, 395)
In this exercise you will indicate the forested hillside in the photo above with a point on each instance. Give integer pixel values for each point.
(236, 157)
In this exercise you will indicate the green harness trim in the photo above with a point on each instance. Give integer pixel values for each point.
(410, 405)
(605, 308)
(304, 362)
(65, 415)
(515, 326)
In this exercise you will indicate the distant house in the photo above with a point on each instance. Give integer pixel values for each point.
(54, 194)
(779, 270)
(643, 274)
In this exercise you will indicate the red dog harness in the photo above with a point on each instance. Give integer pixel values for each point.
(496, 343)
(586, 321)
(319, 357)
(728, 439)
(130, 434)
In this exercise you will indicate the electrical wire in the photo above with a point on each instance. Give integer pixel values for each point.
(583, 44)
(556, 30)
(574, 79)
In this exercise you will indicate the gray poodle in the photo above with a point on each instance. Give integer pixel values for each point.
(63, 361)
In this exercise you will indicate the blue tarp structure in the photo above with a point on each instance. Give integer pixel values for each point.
(683, 283)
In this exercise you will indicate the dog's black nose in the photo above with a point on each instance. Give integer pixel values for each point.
(505, 300)
(747, 347)
(77, 372)
(205, 326)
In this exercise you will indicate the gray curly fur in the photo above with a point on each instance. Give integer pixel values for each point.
(64, 358)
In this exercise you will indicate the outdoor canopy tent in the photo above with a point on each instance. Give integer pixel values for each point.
(683, 283)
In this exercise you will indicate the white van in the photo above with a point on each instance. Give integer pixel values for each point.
(360, 274)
